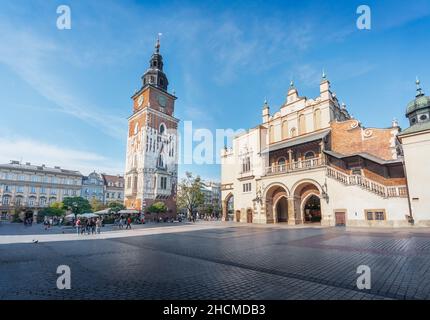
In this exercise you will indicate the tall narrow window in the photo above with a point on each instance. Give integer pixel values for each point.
(272, 134)
(285, 129)
(135, 183)
(317, 119)
(302, 124)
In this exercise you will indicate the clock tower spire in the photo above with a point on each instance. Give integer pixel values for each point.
(154, 75)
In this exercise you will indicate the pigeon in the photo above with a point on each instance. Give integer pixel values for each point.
(35, 241)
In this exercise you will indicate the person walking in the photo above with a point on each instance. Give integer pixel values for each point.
(98, 225)
(93, 226)
(121, 223)
(128, 223)
(78, 226)
(46, 222)
(84, 227)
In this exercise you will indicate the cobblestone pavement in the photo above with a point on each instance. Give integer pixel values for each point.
(223, 261)
(7, 228)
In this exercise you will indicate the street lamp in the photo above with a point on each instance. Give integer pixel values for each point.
(324, 193)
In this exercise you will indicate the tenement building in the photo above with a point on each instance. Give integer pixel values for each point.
(113, 188)
(28, 188)
(312, 162)
(93, 187)
(151, 160)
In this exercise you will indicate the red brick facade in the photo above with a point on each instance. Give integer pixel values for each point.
(348, 137)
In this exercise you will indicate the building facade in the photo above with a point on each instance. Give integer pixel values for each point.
(415, 142)
(212, 196)
(29, 188)
(93, 187)
(312, 162)
(113, 188)
(152, 154)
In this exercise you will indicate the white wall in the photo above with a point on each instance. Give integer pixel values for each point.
(417, 153)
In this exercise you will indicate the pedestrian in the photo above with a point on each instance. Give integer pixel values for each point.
(121, 223)
(93, 226)
(128, 223)
(84, 226)
(98, 225)
(78, 225)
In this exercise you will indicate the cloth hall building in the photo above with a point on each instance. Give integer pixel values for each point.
(312, 162)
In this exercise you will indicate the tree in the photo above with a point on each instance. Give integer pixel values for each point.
(51, 212)
(96, 205)
(116, 206)
(190, 195)
(157, 207)
(78, 205)
(57, 205)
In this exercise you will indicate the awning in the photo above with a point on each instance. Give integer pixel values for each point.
(297, 141)
(128, 211)
(87, 215)
(102, 212)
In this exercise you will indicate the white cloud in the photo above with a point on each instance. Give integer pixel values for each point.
(37, 152)
(29, 56)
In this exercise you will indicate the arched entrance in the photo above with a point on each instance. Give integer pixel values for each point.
(307, 199)
(249, 216)
(281, 209)
(312, 209)
(276, 204)
(228, 207)
(237, 216)
(28, 217)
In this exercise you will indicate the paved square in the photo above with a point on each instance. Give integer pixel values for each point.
(219, 261)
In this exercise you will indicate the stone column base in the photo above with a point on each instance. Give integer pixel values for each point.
(294, 222)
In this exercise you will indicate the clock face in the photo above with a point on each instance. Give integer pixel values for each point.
(162, 100)
(140, 100)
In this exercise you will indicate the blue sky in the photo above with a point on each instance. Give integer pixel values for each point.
(65, 95)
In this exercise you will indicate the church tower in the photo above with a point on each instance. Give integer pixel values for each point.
(152, 153)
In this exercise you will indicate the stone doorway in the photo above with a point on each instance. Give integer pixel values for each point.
(282, 210)
(312, 210)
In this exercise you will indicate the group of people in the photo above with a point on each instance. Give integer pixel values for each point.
(121, 221)
(48, 222)
(28, 221)
(88, 226)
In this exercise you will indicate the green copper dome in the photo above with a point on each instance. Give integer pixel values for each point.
(418, 103)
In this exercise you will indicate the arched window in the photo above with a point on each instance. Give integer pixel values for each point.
(309, 155)
(162, 128)
(293, 132)
(285, 129)
(160, 162)
(18, 201)
(136, 128)
(317, 119)
(135, 183)
(281, 161)
(302, 124)
(6, 200)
